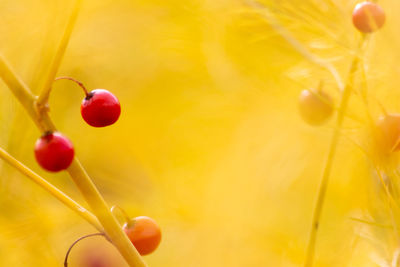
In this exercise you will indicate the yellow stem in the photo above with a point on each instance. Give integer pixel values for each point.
(44, 95)
(61, 196)
(103, 213)
(329, 162)
(345, 92)
(22, 92)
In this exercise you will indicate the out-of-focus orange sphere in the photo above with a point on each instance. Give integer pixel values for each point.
(388, 133)
(368, 17)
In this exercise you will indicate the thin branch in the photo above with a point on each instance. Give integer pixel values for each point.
(345, 96)
(103, 213)
(310, 252)
(22, 92)
(44, 94)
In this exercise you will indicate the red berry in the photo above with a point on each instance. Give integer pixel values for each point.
(388, 132)
(54, 152)
(144, 233)
(315, 107)
(368, 17)
(100, 108)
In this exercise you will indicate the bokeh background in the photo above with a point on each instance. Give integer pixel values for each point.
(210, 143)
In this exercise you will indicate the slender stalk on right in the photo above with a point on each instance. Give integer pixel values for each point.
(310, 252)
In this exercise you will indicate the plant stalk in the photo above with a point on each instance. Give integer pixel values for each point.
(45, 93)
(346, 93)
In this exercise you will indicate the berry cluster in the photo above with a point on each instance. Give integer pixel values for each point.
(54, 151)
(316, 106)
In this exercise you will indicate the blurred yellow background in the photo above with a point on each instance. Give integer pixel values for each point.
(209, 143)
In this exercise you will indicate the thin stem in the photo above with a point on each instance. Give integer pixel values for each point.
(329, 162)
(61, 196)
(75, 242)
(345, 91)
(24, 95)
(116, 207)
(111, 226)
(44, 95)
(75, 81)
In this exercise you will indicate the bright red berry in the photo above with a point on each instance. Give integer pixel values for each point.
(368, 17)
(315, 106)
(388, 132)
(54, 152)
(100, 108)
(144, 233)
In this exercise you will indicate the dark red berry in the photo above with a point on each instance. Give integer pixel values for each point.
(54, 152)
(100, 108)
(315, 106)
(368, 17)
(144, 233)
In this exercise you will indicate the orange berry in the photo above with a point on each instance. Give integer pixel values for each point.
(388, 132)
(144, 233)
(368, 17)
(315, 107)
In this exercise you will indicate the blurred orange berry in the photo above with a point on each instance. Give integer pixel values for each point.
(368, 17)
(315, 107)
(388, 132)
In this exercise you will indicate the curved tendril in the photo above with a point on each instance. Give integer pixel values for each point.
(76, 241)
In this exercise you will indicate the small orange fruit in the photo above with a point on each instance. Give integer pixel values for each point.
(144, 233)
(388, 132)
(368, 17)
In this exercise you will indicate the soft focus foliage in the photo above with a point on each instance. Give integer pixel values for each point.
(209, 143)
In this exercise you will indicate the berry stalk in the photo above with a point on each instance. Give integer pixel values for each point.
(310, 252)
(75, 81)
(61, 196)
(101, 210)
